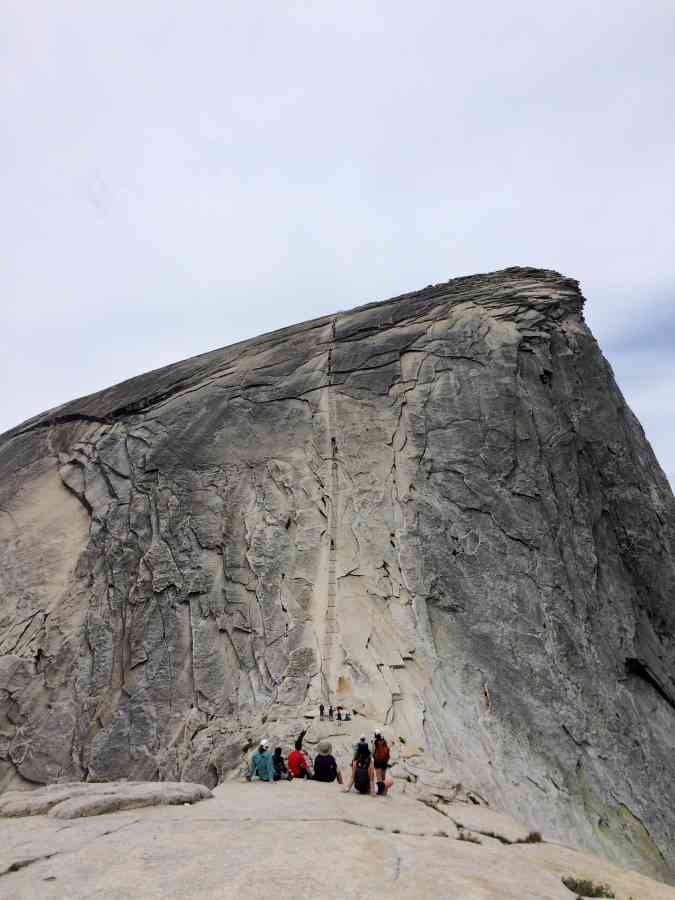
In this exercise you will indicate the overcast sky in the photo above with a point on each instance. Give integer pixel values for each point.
(177, 176)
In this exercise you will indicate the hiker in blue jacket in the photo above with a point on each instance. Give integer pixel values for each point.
(262, 763)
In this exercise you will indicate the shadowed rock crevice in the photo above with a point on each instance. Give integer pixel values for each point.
(639, 669)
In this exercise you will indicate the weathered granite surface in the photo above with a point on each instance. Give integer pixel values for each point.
(437, 510)
(294, 840)
(76, 800)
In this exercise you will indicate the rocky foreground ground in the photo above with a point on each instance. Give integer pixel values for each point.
(290, 839)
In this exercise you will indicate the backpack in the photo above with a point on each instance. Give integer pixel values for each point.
(361, 779)
(381, 754)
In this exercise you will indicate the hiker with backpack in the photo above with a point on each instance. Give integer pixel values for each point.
(381, 762)
(363, 772)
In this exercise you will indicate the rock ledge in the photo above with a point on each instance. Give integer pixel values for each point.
(76, 800)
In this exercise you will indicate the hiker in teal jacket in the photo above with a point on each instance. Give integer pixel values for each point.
(261, 763)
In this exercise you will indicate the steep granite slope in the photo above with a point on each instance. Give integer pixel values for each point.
(437, 510)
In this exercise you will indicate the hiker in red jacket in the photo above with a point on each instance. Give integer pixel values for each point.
(298, 765)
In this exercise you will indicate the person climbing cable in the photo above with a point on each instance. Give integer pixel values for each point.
(261, 765)
(321, 711)
(380, 761)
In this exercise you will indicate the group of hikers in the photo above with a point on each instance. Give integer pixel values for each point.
(337, 713)
(368, 773)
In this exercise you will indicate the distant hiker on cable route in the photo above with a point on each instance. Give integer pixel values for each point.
(321, 711)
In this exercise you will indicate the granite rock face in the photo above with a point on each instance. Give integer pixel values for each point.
(437, 511)
(78, 800)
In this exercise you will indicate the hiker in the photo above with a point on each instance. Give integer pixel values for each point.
(339, 715)
(325, 766)
(348, 716)
(330, 713)
(298, 765)
(380, 762)
(363, 773)
(261, 763)
(321, 711)
(280, 766)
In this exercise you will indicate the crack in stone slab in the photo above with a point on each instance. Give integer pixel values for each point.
(19, 864)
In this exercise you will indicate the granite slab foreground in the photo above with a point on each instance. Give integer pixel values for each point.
(77, 800)
(291, 839)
